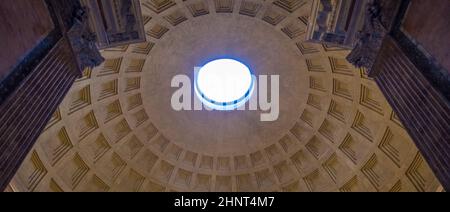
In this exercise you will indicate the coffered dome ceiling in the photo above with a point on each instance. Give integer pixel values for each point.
(116, 129)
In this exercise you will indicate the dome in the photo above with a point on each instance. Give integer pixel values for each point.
(116, 130)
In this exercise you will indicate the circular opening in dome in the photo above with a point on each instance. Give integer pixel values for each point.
(224, 84)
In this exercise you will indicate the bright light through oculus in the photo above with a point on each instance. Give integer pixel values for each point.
(224, 84)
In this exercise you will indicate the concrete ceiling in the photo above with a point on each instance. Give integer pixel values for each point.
(116, 130)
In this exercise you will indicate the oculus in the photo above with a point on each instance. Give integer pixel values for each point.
(224, 84)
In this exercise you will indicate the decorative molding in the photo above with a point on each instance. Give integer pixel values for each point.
(83, 42)
(379, 17)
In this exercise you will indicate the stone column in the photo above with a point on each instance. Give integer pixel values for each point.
(25, 113)
(398, 66)
(424, 111)
(33, 90)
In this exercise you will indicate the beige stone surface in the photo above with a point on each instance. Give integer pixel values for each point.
(116, 131)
